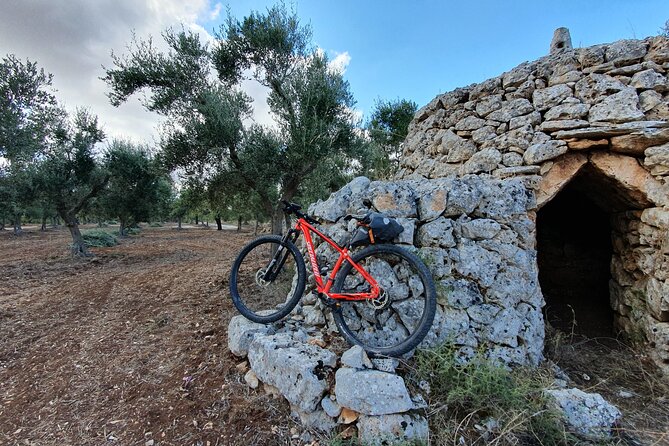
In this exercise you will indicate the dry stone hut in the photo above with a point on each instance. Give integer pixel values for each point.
(542, 192)
(586, 131)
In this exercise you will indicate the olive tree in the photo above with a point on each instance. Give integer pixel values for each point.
(209, 131)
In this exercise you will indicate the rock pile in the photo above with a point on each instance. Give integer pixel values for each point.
(324, 390)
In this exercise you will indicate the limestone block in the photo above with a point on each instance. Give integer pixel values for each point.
(562, 172)
(390, 429)
(657, 217)
(485, 133)
(488, 104)
(650, 80)
(657, 298)
(649, 100)
(406, 237)
(455, 148)
(393, 199)
(372, 392)
(637, 142)
(313, 419)
(530, 119)
(657, 159)
(241, 333)
(638, 184)
(484, 161)
(432, 204)
(438, 232)
(470, 123)
(595, 87)
(504, 201)
(538, 153)
(459, 293)
(567, 111)
(567, 124)
(549, 97)
(330, 407)
(619, 107)
(585, 144)
(485, 88)
(587, 413)
(463, 197)
(477, 263)
(355, 357)
(480, 229)
(511, 109)
(297, 369)
(624, 52)
(658, 50)
(512, 159)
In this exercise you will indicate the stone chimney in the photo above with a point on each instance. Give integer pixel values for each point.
(561, 40)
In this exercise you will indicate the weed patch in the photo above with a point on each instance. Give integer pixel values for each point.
(99, 238)
(481, 402)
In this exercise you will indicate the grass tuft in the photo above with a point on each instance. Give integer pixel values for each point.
(482, 402)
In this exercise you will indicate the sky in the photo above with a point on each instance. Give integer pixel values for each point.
(387, 49)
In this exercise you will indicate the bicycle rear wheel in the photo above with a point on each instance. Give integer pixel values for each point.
(401, 317)
(267, 279)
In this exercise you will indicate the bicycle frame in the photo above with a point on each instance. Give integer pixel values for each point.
(324, 287)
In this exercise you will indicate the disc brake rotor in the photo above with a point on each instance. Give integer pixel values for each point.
(259, 278)
(381, 302)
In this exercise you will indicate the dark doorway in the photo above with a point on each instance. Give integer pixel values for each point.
(574, 256)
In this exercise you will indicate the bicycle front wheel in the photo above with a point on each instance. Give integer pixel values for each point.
(267, 279)
(401, 317)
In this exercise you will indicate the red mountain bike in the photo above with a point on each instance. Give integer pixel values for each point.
(382, 297)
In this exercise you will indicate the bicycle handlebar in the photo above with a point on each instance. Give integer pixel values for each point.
(294, 208)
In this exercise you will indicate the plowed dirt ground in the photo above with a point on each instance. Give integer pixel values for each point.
(128, 347)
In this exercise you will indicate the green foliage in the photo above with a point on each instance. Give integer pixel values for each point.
(388, 127)
(479, 389)
(137, 189)
(205, 136)
(28, 109)
(99, 238)
(135, 230)
(155, 224)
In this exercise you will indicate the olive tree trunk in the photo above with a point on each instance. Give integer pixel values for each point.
(79, 247)
(219, 224)
(18, 230)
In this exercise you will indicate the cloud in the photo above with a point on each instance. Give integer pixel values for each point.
(340, 62)
(73, 40)
(215, 12)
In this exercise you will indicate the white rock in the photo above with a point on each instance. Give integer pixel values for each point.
(242, 331)
(371, 392)
(587, 413)
(331, 407)
(356, 358)
(297, 369)
(389, 429)
(251, 379)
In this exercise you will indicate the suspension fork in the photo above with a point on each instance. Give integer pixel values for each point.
(281, 255)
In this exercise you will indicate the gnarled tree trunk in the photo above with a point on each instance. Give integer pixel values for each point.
(219, 223)
(79, 247)
(239, 223)
(122, 228)
(43, 228)
(18, 230)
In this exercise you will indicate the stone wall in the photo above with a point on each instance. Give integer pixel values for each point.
(597, 114)
(476, 238)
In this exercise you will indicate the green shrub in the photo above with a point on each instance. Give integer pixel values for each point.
(155, 224)
(99, 238)
(479, 392)
(135, 230)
